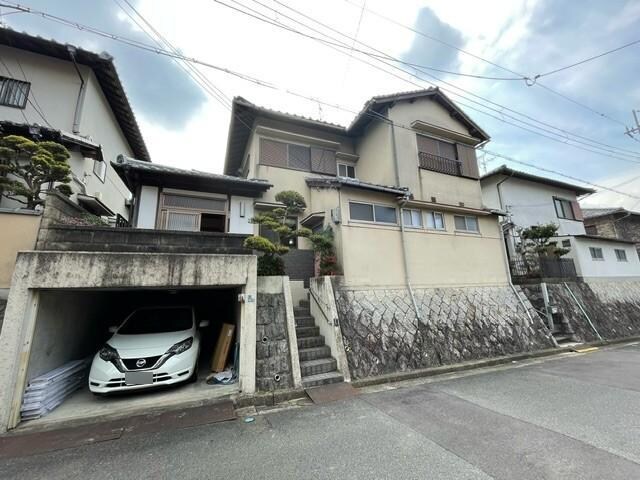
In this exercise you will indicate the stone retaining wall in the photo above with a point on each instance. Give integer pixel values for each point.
(612, 306)
(273, 356)
(382, 333)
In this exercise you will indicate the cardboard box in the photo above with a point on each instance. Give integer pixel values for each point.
(223, 344)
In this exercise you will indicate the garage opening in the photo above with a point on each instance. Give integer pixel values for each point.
(77, 324)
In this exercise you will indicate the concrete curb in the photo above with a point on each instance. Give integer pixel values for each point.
(477, 364)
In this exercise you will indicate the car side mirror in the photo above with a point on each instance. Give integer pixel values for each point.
(113, 329)
(203, 323)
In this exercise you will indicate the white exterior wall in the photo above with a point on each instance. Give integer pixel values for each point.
(55, 86)
(531, 203)
(147, 207)
(609, 267)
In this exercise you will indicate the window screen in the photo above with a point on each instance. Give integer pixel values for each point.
(273, 153)
(361, 211)
(186, 222)
(13, 93)
(435, 221)
(385, 214)
(194, 203)
(299, 157)
(412, 218)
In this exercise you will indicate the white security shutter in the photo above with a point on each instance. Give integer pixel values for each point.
(185, 222)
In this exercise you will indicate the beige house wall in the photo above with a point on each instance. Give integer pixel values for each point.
(20, 231)
(55, 84)
(376, 156)
(371, 254)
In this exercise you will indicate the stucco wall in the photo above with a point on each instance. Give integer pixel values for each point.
(19, 232)
(531, 203)
(147, 207)
(382, 333)
(587, 267)
(55, 84)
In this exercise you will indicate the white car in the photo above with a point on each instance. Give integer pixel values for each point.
(154, 346)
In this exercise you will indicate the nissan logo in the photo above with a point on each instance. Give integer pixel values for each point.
(141, 362)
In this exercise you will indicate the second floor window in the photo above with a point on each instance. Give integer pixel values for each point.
(367, 212)
(596, 253)
(621, 255)
(297, 157)
(466, 223)
(438, 156)
(345, 170)
(13, 93)
(564, 209)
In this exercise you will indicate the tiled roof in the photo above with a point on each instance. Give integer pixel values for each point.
(355, 183)
(509, 172)
(601, 212)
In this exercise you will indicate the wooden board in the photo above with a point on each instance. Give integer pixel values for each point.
(223, 344)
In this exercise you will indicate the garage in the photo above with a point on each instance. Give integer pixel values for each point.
(60, 315)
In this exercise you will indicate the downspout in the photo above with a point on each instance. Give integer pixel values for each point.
(403, 239)
(81, 93)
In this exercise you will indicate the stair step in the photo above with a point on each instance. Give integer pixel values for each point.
(301, 312)
(321, 365)
(322, 379)
(563, 338)
(309, 342)
(304, 303)
(314, 353)
(302, 332)
(305, 322)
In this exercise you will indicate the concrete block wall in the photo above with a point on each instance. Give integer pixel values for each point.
(382, 333)
(612, 306)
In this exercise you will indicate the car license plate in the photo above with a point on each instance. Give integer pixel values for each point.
(138, 378)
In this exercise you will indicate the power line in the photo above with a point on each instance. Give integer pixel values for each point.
(382, 118)
(520, 76)
(635, 42)
(563, 136)
(35, 108)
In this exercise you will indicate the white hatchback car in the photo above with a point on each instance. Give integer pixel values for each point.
(154, 346)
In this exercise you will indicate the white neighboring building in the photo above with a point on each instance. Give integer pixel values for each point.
(51, 91)
(530, 200)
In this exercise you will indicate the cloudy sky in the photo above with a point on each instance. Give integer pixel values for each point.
(185, 126)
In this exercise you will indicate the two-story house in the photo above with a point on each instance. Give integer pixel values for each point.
(530, 200)
(52, 91)
(399, 187)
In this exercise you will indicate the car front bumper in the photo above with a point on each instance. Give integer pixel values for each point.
(104, 377)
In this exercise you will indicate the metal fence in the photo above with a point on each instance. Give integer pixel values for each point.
(440, 164)
(543, 267)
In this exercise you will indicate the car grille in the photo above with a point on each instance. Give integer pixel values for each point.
(130, 363)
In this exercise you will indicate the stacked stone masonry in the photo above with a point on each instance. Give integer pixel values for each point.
(612, 306)
(273, 358)
(382, 333)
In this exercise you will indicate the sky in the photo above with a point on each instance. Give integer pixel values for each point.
(185, 126)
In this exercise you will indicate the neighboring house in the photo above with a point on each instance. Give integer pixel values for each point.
(530, 200)
(399, 187)
(51, 91)
(613, 223)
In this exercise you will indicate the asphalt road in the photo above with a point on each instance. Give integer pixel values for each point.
(574, 417)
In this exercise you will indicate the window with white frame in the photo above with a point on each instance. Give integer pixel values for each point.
(435, 221)
(466, 223)
(412, 218)
(100, 169)
(368, 212)
(596, 253)
(621, 255)
(14, 93)
(345, 170)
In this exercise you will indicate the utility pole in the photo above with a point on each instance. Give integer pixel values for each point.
(636, 130)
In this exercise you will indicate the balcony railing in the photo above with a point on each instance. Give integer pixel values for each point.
(542, 267)
(436, 163)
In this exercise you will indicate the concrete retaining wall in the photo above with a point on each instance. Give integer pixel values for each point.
(382, 333)
(612, 306)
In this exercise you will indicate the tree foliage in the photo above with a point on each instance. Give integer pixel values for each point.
(27, 168)
(537, 240)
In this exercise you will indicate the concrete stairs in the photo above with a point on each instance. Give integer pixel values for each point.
(564, 334)
(317, 366)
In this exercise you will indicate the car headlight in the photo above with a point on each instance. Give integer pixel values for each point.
(108, 353)
(180, 347)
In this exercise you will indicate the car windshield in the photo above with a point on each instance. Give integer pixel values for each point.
(157, 320)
